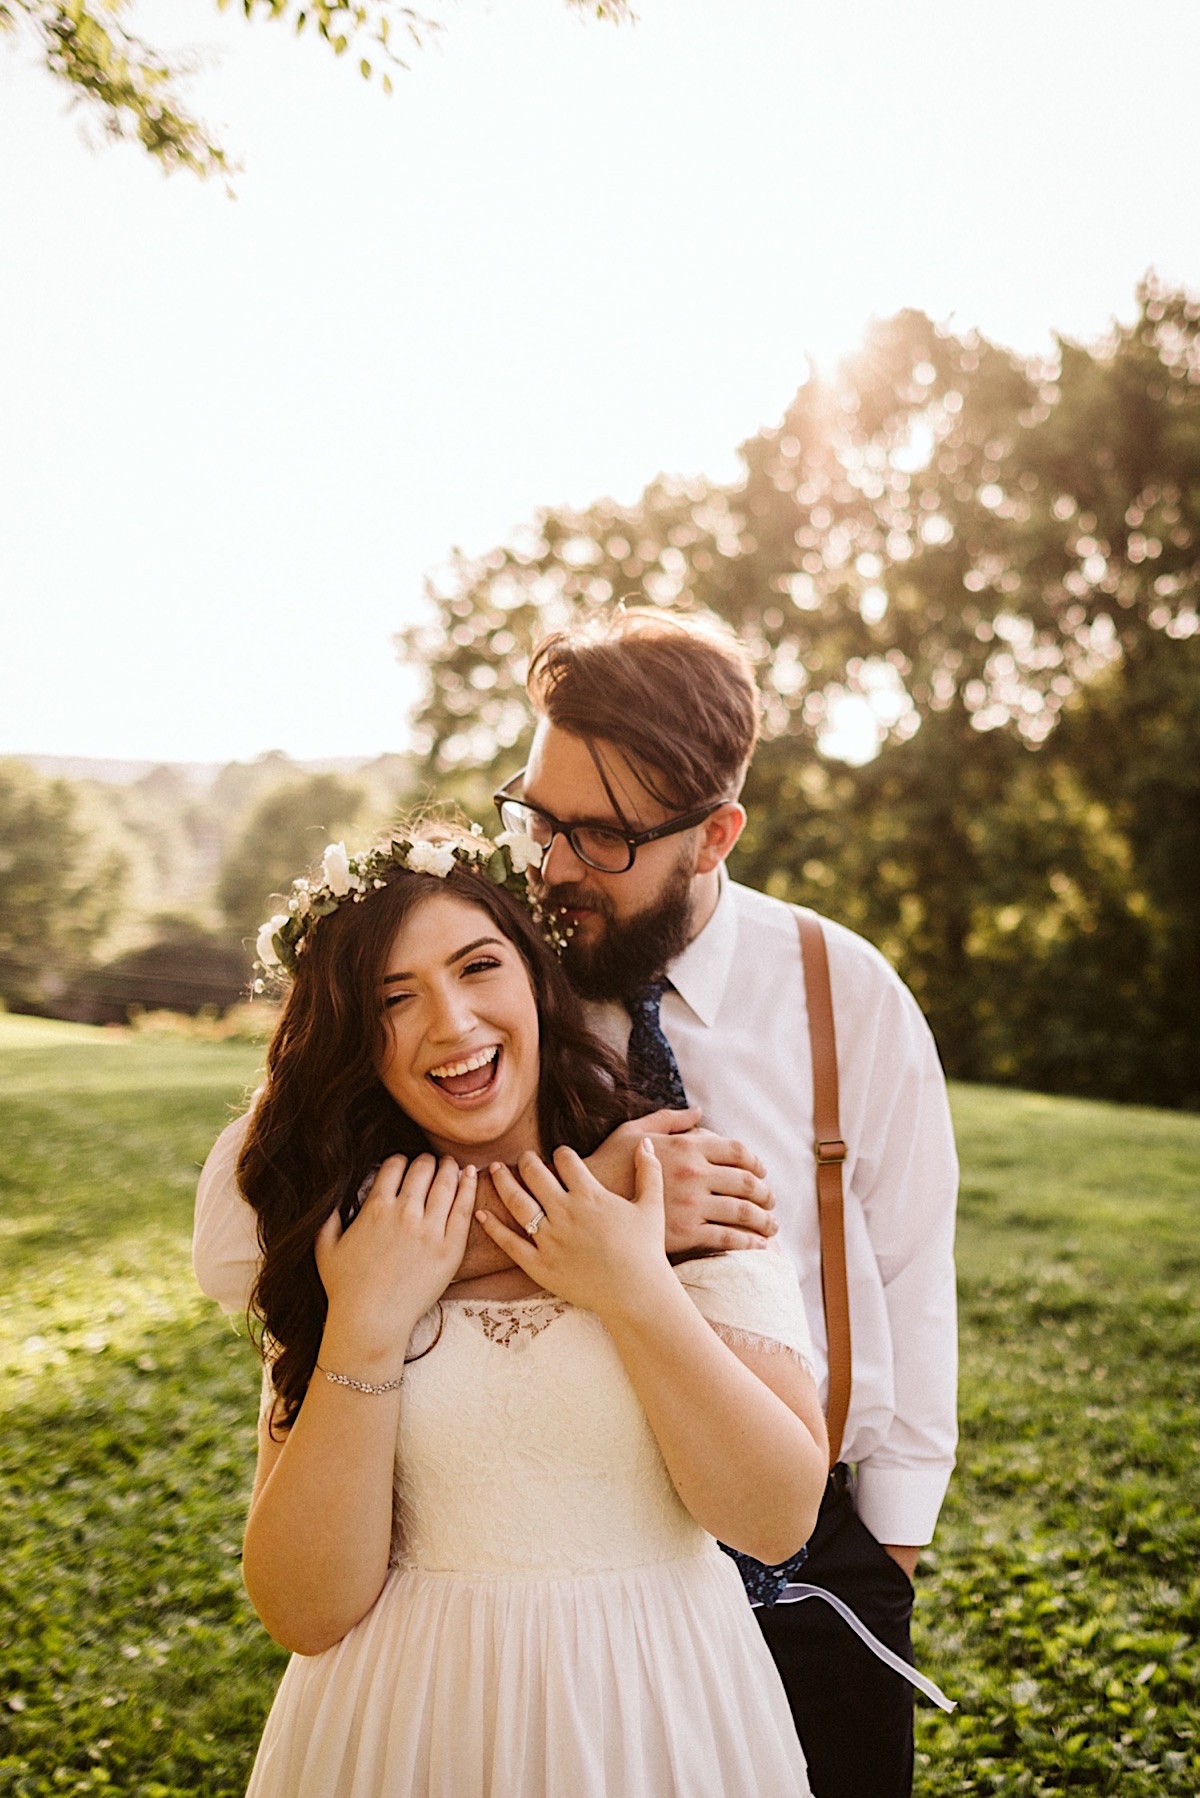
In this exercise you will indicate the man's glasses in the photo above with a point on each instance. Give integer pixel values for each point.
(599, 846)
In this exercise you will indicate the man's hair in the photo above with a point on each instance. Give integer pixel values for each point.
(676, 696)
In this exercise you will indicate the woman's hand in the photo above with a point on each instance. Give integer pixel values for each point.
(715, 1188)
(740, 1430)
(384, 1270)
(309, 1577)
(592, 1247)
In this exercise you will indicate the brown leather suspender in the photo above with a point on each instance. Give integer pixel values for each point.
(830, 1152)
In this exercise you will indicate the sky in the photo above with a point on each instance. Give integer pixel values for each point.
(564, 256)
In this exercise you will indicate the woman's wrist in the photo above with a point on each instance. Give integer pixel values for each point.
(348, 1351)
(641, 1300)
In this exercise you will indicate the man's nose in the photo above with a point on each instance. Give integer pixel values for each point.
(560, 864)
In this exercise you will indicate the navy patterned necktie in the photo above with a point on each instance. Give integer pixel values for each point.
(653, 1070)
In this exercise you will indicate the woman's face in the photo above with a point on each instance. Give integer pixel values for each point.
(462, 1032)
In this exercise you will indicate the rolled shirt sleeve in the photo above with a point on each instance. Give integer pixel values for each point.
(904, 1174)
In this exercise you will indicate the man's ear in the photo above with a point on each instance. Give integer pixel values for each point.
(718, 834)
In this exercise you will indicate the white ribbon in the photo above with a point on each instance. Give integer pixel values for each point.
(792, 1594)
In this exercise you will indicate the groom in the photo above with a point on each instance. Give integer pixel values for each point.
(650, 729)
(643, 739)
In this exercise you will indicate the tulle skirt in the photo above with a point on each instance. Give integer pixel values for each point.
(647, 1682)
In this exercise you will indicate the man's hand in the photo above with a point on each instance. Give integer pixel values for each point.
(717, 1197)
(904, 1556)
(482, 1255)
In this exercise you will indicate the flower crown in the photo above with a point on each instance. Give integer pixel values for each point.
(348, 879)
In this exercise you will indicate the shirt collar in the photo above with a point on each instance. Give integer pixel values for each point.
(701, 974)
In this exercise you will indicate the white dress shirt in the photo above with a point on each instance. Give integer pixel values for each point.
(738, 1025)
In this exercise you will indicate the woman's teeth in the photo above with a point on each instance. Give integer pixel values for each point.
(450, 1068)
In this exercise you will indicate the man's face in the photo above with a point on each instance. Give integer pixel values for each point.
(625, 928)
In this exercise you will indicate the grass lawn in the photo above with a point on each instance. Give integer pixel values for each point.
(1060, 1604)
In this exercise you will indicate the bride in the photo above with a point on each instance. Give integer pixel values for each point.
(485, 1516)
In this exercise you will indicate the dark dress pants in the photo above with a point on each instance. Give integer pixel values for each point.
(854, 1716)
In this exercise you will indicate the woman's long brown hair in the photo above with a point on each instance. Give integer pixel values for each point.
(324, 1119)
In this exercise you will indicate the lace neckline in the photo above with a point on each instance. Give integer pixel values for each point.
(512, 1323)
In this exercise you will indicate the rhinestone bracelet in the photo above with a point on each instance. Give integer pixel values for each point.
(343, 1379)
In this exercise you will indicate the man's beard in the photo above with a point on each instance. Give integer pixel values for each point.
(630, 952)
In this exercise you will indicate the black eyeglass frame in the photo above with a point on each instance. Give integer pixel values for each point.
(633, 840)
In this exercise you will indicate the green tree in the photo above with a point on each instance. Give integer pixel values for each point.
(943, 527)
(283, 837)
(136, 89)
(59, 894)
(1000, 558)
(1133, 745)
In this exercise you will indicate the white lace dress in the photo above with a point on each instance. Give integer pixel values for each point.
(554, 1624)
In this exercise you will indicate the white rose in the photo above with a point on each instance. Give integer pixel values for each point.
(431, 858)
(264, 947)
(335, 867)
(525, 853)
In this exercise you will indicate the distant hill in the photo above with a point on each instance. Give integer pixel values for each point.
(200, 775)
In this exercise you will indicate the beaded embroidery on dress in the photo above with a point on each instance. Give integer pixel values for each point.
(554, 1622)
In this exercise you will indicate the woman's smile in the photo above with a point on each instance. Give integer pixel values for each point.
(470, 1078)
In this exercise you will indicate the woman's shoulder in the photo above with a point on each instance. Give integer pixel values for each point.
(751, 1290)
